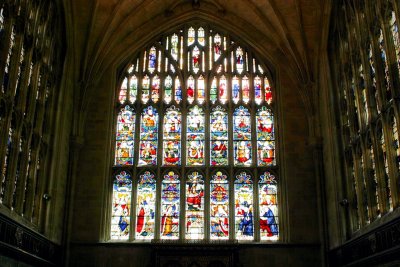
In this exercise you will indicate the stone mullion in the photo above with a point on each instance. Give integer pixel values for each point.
(42, 186)
(5, 41)
(359, 187)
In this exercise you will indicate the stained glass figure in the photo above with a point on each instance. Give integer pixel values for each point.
(200, 90)
(125, 136)
(223, 93)
(244, 222)
(155, 89)
(190, 89)
(195, 137)
(172, 137)
(152, 59)
(246, 90)
(174, 47)
(170, 206)
(194, 206)
(123, 91)
(200, 37)
(145, 89)
(396, 38)
(268, 92)
(257, 90)
(242, 137)
(235, 90)
(121, 206)
(265, 137)
(268, 206)
(168, 89)
(385, 65)
(191, 34)
(133, 85)
(145, 206)
(178, 91)
(219, 137)
(219, 206)
(148, 137)
(239, 60)
(217, 47)
(196, 59)
(213, 91)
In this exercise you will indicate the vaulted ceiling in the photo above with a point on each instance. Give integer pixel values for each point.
(104, 33)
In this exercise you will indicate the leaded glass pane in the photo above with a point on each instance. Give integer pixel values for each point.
(194, 222)
(121, 206)
(244, 222)
(219, 206)
(170, 195)
(268, 206)
(145, 206)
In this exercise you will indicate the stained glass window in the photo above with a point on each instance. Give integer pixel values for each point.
(170, 195)
(244, 222)
(242, 137)
(195, 137)
(145, 206)
(125, 136)
(219, 137)
(148, 137)
(219, 206)
(172, 137)
(268, 207)
(265, 137)
(195, 95)
(121, 206)
(194, 222)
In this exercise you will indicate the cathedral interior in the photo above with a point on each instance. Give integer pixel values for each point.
(199, 133)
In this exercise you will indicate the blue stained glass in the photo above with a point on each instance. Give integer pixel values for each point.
(268, 207)
(148, 137)
(219, 206)
(244, 222)
(121, 207)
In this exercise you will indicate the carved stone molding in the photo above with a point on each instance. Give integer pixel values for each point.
(21, 243)
(378, 246)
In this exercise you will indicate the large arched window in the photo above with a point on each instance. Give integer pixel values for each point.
(195, 142)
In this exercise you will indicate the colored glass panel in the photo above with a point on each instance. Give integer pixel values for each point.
(174, 47)
(152, 59)
(223, 93)
(123, 91)
(257, 90)
(265, 137)
(217, 47)
(133, 85)
(155, 89)
(201, 39)
(385, 64)
(200, 90)
(219, 206)
(191, 34)
(190, 89)
(170, 205)
(145, 206)
(268, 206)
(242, 137)
(125, 137)
(239, 60)
(172, 137)
(121, 206)
(168, 90)
(246, 90)
(194, 206)
(219, 137)
(196, 59)
(396, 38)
(235, 90)
(244, 221)
(195, 137)
(213, 91)
(145, 89)
(178, 91)
(268, 92)
(148, 137)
